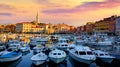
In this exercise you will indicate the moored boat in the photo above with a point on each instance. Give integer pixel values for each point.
(39, 58)
(57, 56)
(104, 56)
(6, 56)
(82, 54)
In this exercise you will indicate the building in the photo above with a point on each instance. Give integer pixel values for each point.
(90, 27)
(62, 28)
(118, 25)
(107, 25)
(30, 27)
(49, 28)
(23, 27)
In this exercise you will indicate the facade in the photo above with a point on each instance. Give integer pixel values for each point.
(23, 27)
(1, 28)
(90, 27)
(28, 27)
(118, 25)
(102, 26)
(107, 25)
(62, 28)
(49, 28)
(81, 29)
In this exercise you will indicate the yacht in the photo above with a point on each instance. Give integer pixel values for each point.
(39, 58)
(82, 54)
(57, 56)
(104, 56)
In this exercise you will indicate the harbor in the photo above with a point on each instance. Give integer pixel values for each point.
(60, 50)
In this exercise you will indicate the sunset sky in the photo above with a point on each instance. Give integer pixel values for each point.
(72, 12)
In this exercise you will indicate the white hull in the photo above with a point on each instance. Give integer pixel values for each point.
(38, 62)
(36, 51)
(10, 59)
(57, 60)
(24, 50)
(107, 60)
(80, 59)
(39, 58)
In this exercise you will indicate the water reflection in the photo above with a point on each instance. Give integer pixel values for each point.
(76, 63)
(11, 64)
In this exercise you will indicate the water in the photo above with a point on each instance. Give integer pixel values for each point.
(25, 61)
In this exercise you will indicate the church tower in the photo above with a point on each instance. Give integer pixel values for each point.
(37, 19)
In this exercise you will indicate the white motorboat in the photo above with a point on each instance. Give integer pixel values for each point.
(2, 46)
(37, 49)
(62, 44)
(82, 54)
(104, 56)
(33, 43)
(57, 56)
(25, 49)
(6, 56)
(15, 45)
(39, 58)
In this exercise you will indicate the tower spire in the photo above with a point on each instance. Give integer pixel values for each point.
(37, 18)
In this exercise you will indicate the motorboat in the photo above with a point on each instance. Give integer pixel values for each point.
(104, 56)
(39, 58)
(6, 56)
(82, 54)
(14, 46)
(57, 56)
(2, 46)
(62, 44)
(37, 49)
(24, 47)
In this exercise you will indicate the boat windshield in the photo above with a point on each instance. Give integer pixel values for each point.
(89, 53)
(82, 53)
(101, 54)
(59, 53)
(107, 54)
(56, 53)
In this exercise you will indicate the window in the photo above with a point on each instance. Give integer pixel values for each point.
(54, 53)
(101, 54)
(96, 54)
(89, 53)
(65, 45)
(59, 53)
(76, 52)
(82, 53)
(106, 54)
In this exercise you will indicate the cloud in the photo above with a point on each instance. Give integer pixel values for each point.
(43, 1)
(87, 6)
(4, 6)
(6, 14)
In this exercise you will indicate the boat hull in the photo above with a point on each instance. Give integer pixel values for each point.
(57, 60)
(39, 62)
(80, 59)
(10, 58)
(107, 60)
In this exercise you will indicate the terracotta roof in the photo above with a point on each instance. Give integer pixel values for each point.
(24, 23)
